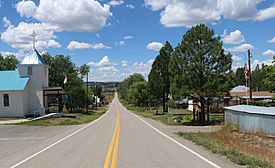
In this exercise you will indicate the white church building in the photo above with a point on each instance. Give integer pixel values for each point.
(21, 90)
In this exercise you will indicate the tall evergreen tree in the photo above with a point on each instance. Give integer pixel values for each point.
(159, 76)
(204, 65)
(240, 76)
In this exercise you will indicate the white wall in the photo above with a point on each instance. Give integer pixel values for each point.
(15, 108)
(38, 80)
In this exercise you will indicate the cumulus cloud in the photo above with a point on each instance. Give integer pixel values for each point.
(272, 40)
(236, 58)
(103, 62)
(26, 8)
(154, 46)
(234, 37)
(7, 22)
(116, 2)
(124, 63)
(269, 52)
(240, 48)
(131, 6)
(260, 63)
(19, 37)
(70, 15)
(178, 13)
(73, 45)
(19, 55)
(188, 14)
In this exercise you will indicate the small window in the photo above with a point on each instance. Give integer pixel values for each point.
(6, 100)
(29, 70)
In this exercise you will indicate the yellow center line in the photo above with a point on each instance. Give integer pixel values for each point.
(114, 145)
(114, 158)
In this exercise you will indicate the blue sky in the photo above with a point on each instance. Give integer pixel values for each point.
(117, 38)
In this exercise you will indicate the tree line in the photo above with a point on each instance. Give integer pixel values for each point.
(198, 67)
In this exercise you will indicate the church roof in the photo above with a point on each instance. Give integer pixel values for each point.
(33, 57)
(240, 89)
(10, 80)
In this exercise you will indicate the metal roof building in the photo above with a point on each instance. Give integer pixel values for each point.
(10, 80)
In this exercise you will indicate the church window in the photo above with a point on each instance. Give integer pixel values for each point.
(29, 70)
(6, 100)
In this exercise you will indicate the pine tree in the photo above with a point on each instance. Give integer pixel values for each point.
(204, 64)
(159, 81)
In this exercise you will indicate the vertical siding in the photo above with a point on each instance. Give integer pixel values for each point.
(257, 123)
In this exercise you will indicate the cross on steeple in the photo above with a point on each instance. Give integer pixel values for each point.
(33, 36)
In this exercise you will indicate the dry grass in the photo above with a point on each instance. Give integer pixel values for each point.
(240, 147)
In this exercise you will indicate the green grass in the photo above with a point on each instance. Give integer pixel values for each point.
(68, 119)
(231, 153)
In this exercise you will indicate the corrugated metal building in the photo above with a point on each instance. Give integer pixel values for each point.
(251, 118)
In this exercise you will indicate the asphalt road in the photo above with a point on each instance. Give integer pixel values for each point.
(117, 139)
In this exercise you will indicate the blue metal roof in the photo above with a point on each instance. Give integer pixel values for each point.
(10, 80)
(33, 57)
(252, 109)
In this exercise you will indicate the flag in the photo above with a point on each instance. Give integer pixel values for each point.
(65, 80)
(247, 75)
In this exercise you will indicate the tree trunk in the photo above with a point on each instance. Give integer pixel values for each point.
(202, 110)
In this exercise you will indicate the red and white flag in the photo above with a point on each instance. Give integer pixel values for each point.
(65, 80)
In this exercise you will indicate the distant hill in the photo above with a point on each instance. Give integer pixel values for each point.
(107, 86)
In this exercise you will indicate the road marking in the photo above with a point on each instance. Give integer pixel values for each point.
(57, 142)
(113, 148)
(107, 160)
(22, 138)
(114, 158)
(186, 148)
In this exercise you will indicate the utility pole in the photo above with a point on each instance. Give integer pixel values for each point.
(249, 80)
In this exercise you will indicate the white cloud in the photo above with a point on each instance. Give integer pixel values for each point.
(53, 43)
(97, 35)
(19, 55)
(240, 48)
(179, 13)
(269, 53)
(124, 63)
(7, 22)
(116, 2)
(26, 8)
(236, 58)
(71, 15)
(182, 14)
(142, 68)
(260, 63)
(73, 45)
(120, 43)
(272, 40)
(128, 37)
(103, 62)
(266, 14)
(131, 6)
(234, 37)
(154, 46)
(20, 37)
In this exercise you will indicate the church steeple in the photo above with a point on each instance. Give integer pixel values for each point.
(33, 57)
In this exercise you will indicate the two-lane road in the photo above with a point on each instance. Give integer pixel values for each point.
(117, 139)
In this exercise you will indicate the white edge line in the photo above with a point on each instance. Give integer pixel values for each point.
(186, 148)
(57, 142)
